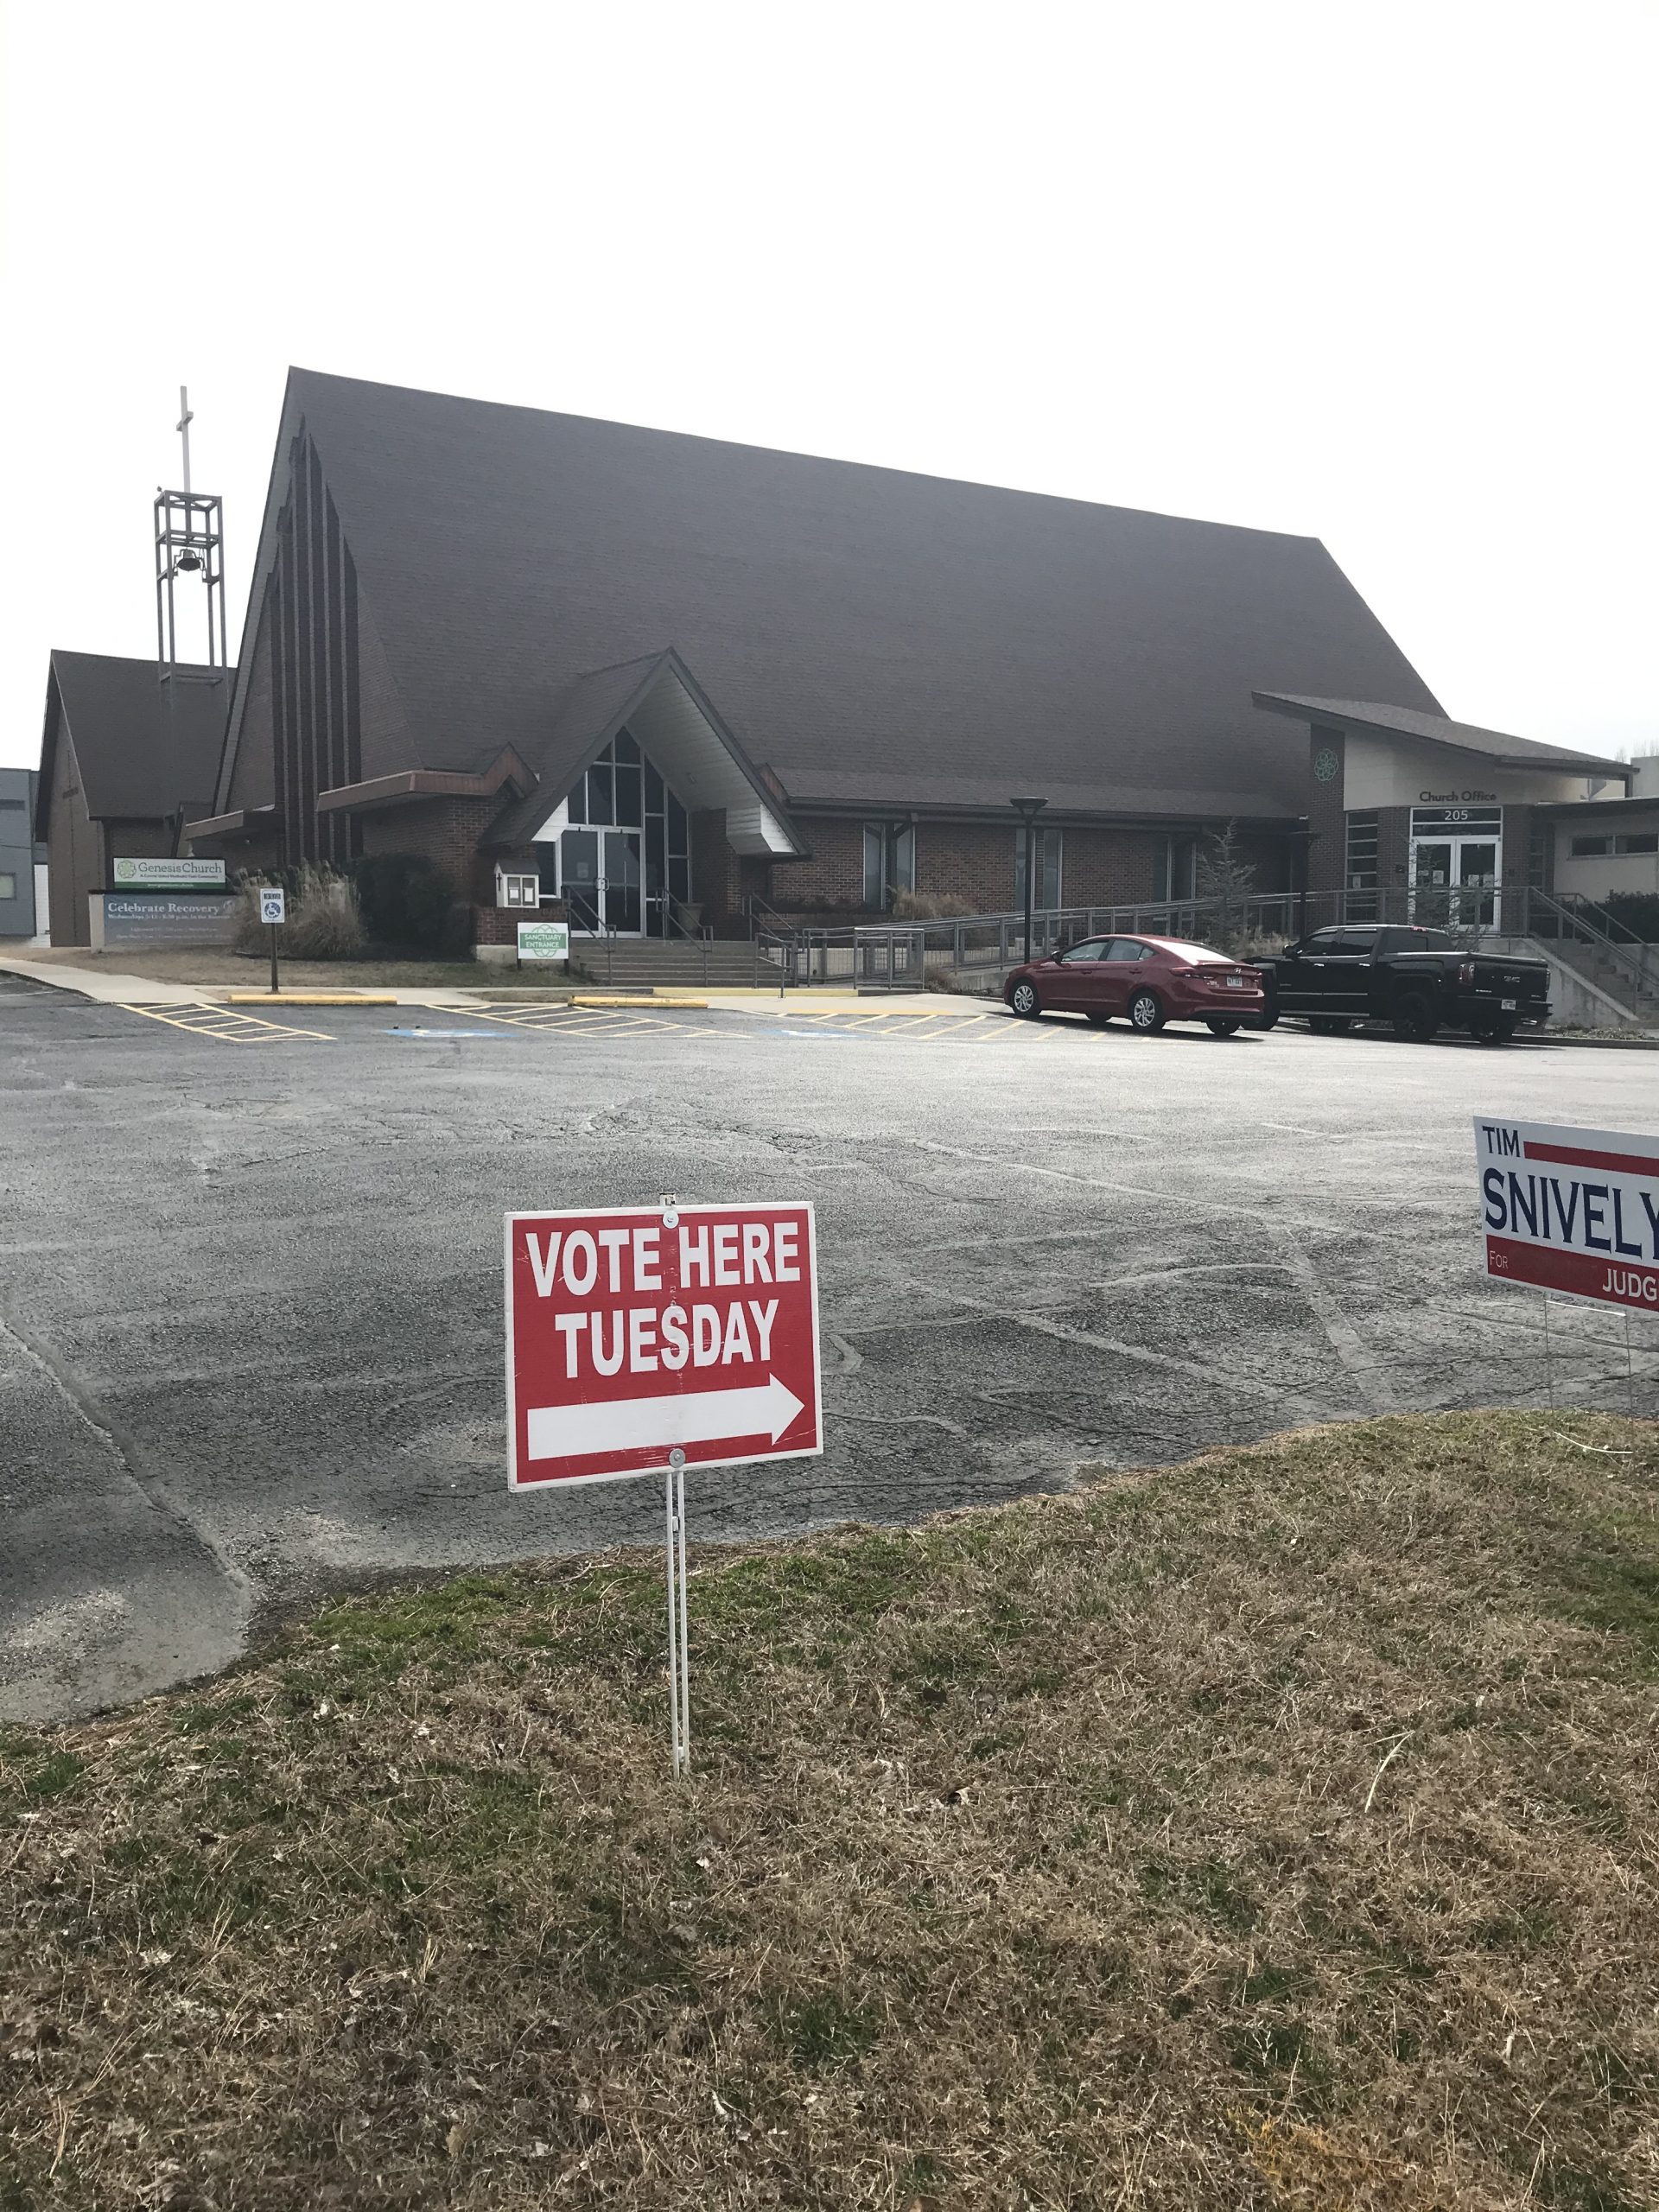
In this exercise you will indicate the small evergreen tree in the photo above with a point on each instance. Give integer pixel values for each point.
(1223, 882)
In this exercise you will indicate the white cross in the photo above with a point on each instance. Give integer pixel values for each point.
(182, 426)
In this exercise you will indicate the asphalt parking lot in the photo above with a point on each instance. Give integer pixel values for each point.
(250, 1275)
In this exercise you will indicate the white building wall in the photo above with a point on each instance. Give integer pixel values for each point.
(1594, 875)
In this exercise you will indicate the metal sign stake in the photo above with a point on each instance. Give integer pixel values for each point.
(1630, 1369)
(679, 1662)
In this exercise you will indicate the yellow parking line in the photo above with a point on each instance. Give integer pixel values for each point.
(229, 1029)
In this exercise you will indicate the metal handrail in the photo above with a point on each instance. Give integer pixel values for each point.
(1631, 959)
(765, 920)
(1596, 918)
(896, 955)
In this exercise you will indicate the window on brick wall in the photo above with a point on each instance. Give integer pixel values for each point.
(889, 861)
(1177, 868)
(1049, 845)
(1359, 867)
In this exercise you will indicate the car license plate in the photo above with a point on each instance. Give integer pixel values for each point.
(1234, 983)
(1509, 1006)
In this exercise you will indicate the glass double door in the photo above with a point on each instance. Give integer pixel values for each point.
(1454, 881)
(603, 874)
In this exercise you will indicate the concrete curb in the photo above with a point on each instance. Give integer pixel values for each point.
(308, 998)
(647, 1006)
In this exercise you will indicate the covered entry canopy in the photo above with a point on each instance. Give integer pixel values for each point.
(1369, 718)
(658, 700)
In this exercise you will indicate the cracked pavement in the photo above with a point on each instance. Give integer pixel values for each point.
(252, 1295)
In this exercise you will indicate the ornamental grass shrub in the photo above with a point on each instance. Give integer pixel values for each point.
(324, 919)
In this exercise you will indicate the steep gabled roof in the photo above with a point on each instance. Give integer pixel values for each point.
(1369, 716)
(645, 693)
(852, 622)
(143, 747)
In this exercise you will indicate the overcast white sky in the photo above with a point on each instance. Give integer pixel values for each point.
(1376, 271)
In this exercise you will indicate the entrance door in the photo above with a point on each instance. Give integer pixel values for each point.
(622, 883)
(1454, 881)
(579, 874)
(1477, 882)
(601, 872)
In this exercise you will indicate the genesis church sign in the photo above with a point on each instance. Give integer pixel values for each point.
(155, 875)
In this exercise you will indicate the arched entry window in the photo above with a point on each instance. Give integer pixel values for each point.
(625, 855)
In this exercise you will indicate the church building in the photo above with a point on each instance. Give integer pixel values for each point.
(659, 684)
(665, 675)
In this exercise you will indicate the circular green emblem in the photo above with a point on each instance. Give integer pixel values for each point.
(1326, 767)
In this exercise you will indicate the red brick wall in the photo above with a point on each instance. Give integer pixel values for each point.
(446, 830)
(833, 873)
(1108, 868)
(973, 861)
(716, 872)
(1327, 848)
(1517, 845)
(499, 924)
(1393, 854)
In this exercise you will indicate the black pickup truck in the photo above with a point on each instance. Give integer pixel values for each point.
(1419, 980)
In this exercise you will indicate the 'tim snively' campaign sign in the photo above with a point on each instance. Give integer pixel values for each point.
(1570, 1211)
(635, 1334)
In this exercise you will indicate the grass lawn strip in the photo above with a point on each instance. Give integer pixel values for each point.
(1276, 1831)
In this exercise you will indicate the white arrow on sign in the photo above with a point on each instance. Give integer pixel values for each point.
(634, 1424)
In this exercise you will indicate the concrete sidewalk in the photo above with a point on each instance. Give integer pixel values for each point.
(112, 987)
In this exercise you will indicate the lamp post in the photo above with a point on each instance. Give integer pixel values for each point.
(1028, 810)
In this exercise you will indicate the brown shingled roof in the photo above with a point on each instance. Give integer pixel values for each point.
(848, 622)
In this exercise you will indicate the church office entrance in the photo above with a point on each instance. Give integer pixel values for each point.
(1457, 856)
(625, 859)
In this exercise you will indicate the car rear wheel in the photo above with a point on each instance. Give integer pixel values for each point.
(1329, 1024)
(1146, 1013)
(1098, 1021)
(1221, 1028)
(1024, 1000)
(1416, 1018)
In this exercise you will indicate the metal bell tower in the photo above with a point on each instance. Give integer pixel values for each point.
(189, 548)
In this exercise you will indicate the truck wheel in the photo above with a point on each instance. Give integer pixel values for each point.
(1223, 1028)
(1329, 1024)
(1496, 1033)
(1416, 1018)
(1145, 1013)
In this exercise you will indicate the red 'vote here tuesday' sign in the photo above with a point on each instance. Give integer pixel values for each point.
(634, 1332)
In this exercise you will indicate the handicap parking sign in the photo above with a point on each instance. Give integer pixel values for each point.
(273, 906)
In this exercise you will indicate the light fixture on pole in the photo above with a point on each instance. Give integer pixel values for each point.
(1028, 810)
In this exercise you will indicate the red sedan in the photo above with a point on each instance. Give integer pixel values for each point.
(1147, 980)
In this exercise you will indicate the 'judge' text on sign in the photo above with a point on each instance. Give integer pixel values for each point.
(1572, 1210)
(633, 1333)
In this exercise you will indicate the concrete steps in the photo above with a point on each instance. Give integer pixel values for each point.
(1640, 1001)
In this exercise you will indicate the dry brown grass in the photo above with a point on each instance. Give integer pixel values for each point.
(217, 964)
(1274, 1832)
